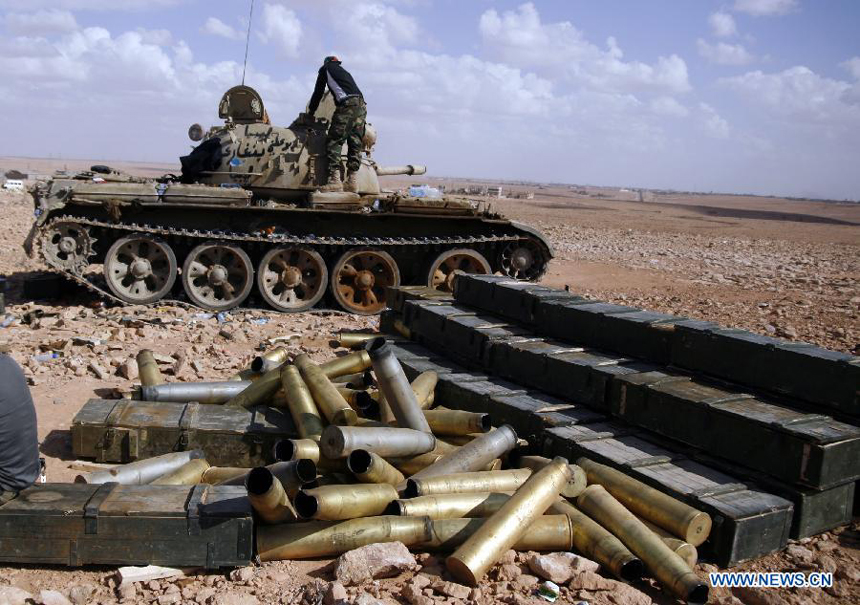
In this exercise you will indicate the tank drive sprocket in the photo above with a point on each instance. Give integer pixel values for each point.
(67, 246)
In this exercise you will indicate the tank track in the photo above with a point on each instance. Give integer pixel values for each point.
(280, 239)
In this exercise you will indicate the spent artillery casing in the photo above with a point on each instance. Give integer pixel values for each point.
(396, 388)
(300, 402)
(259, 391)
(331, 538)
(667, 567)
(574, 487)
(354, 363)
(369, 467)
(424, 387)
(506, 526)
(147, 369)
(189, 473)
(679, 519)
(410, 466)
(292, 475)
(450, 506)
(201, 392)
(596, 542)
(546, 533)
(337, 502)
(331, 403)
(269, 360)
(339, 441)
(463, 483)
(142, 471)
(214, 475)
(351, 397)
(352, 339)
(685, 550)
(457, 422)
(278, 355)
(360, 380)
(268, 496)
(287, 450)
(473, 456)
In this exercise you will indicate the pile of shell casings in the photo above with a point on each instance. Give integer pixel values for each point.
(376, 462)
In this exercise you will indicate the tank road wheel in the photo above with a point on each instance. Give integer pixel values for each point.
(441, 274)
(68, 246)
(524, 260)
(140, 269)
(217, 276)
(359, 280)
(292, 279)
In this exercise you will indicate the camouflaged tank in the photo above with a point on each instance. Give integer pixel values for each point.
(247, 215)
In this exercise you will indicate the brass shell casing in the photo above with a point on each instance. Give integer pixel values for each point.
(504, 528)
(369, 467)
(352, 339)
(596, 542)
(547, 533)
(189, 473)
(667, 567)
(338, 502)
(300, 403)
(339, 441)
(457, 422)
(679, 519)
(147, 369)
(473, 456)
(214, 475)
(333, 406)
(396, 388)
(352, 363)
(450, 506)
(462, 483)
(574, 487)
(268, 496)
(328, 539)
(259, 391)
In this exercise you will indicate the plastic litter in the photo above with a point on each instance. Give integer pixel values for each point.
(549, 591)
(424, 191)
(46, 356)
(7, 321)
(222, 317)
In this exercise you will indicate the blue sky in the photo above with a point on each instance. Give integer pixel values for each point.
(757, 96)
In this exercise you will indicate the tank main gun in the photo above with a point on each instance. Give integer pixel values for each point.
(410, 169)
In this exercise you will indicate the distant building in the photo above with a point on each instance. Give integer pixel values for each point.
(14, 185)
(494, 192)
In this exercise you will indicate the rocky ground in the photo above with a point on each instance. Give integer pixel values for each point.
(798, 281)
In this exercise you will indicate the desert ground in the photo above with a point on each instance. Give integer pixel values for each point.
(781, 267)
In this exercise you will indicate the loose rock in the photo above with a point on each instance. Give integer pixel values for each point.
(374, 561)
(560, 567)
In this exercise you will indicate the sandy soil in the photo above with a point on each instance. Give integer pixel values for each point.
(772, 266)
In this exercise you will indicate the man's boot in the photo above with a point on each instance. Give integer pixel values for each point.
(351, 183)
(333, 183)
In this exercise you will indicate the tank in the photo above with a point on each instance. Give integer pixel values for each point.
(246, 216)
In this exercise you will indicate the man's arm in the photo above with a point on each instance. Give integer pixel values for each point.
(318, 92)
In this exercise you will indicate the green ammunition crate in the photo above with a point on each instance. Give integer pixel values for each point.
(806, 449)
(532, 412)
(643, 334)
(472, 337)
(586, 375)
(827, 379)
(747, 523)
(526, 361)
(395, 298)
(473, 392)
(479, 290)
(124, 430)
(172, 525)
(575, 322)
(426, 318)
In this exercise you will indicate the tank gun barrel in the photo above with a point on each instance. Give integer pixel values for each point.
(407, 169)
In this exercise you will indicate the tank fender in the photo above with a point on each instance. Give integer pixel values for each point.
(532, 231)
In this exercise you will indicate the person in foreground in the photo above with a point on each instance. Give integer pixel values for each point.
(19, 441)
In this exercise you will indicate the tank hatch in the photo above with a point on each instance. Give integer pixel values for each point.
(243, 105)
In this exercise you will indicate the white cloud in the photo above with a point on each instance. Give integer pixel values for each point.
(852, 65)
(765, 7)
(723, 53)
(281, 28)
(520, 38)
(667, 106)
(715, 126)
(159, 37)
(215, 27)
(41, 22)
(723, 25)
(800, 94)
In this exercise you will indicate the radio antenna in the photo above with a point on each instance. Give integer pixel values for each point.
(247, 42)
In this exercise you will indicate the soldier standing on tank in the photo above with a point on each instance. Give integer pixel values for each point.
(347, 123)
(19, 441)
